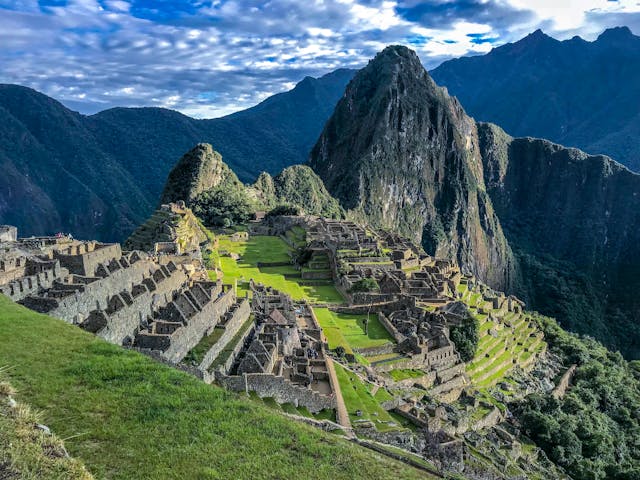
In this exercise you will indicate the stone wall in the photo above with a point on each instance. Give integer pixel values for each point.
(87, 263)
(374, 351)
(8, 233)
(564, 382)
(238, 318)
(231, 359)
(126, 321)
(31, 285)
(493, 418)
(199, 325)
(390, 328)
(96, 295)
(278, 388)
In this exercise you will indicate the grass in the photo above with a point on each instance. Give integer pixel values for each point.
(228, 349)
(27, 452)
(403, 374)
(128, 417)
(357, 396)
(286, 278)
(348, 330)
(196, 355)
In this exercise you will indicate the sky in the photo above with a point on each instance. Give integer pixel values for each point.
(210, 58)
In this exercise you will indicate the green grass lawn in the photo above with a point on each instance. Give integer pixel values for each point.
(128, 417)
(284, 278)
(405, 373)
(357, 396)
(348, 330)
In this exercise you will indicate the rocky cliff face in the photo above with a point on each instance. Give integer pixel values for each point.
(573, 221)
(401, 153)
(199, 170)
(554, 225)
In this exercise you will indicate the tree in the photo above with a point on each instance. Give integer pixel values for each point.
(365, 285)
(465, 337)
(224, 207)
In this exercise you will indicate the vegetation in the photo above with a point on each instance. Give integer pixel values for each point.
(465, 337)
(348, 330)
(361, 404)
(265, 250)
(365, 285)
(28, 452)
(224, 207)
(593, 431)
(299, 185)
(126, 416)
(284, 209)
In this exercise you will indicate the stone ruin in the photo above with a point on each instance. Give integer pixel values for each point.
(130, 298)
(284, 356)
(8, 233)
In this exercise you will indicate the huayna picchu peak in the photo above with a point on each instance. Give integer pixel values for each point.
(402, 153)
(355, 279)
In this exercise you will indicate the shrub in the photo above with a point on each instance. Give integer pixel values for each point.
(465, 337)
(365, 285)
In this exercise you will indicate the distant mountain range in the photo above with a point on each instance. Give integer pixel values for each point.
(100, 176)
(554, 225)
(574, 92)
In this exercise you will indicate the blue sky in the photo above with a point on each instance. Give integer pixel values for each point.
(209, 58)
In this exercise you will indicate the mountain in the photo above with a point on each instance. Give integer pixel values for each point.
(207, 184)
(573, 221)
(198, 170)
(553, 225)
(402, 153)
(100, 176)
(574, 92)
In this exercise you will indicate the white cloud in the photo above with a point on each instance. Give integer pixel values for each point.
(229, 55)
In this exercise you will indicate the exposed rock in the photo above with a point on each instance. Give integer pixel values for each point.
(402, 153)
(199, 170)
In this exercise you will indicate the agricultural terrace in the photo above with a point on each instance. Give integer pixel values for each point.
(256, 254)
(511, 341)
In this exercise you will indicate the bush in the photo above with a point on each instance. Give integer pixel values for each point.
(224, 207)
(284, 209)
(465, 337)
(593, 431)
(365, 285)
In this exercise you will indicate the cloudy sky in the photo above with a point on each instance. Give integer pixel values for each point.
(209, 58)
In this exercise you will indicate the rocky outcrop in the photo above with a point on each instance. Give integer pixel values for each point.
(402, 153)
(298, 185)
(199, 170)
(554, 225)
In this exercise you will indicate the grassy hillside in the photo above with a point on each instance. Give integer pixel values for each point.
(27, 451)
(126, 416)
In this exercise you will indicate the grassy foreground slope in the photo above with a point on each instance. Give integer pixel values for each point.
(126, 416)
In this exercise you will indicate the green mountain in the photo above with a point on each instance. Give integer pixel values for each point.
(208, 185)
(100, 176)
(553, 225)
(577, 93)
(403, 154)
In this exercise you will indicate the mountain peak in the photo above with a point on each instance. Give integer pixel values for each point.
(200, 169)
(535, 38)
(616, 34)
(394, 54)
